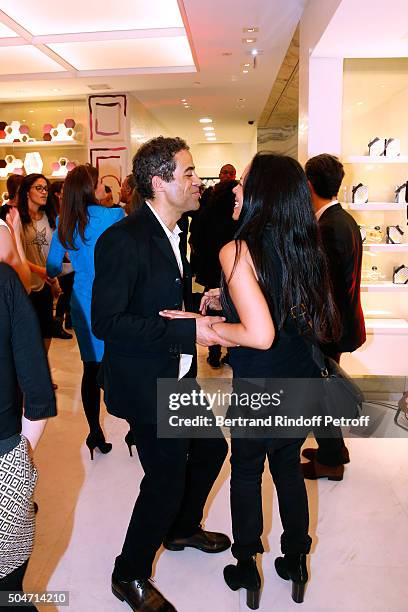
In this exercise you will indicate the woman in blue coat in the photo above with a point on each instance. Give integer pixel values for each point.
(82, 220)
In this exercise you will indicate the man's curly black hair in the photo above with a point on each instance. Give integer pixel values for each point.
(156, 158)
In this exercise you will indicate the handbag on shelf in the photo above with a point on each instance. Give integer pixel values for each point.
(359, 194)
(392, 147)
(400, 275)
(371, 233)
(394, 234)
(401, 193)
(341, 396)
(376, 146)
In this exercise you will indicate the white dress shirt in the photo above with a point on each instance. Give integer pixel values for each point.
(174, 239)
(319, 213)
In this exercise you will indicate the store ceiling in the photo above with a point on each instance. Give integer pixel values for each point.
(162, 50)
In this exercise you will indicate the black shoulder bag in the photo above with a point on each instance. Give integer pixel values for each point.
(340, 396)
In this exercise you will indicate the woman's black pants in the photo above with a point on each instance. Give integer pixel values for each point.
(247, 466)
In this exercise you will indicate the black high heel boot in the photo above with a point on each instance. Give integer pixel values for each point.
(98, 441)
(130, 441)
(245, 575)
(293, 567)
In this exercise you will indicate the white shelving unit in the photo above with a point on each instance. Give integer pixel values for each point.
(379, 206)
(41, 144)
(367, 159)
(384, 248)
(386, 326)
(382, 286)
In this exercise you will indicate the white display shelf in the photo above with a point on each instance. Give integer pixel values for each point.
(377, 206)
(41, 143)
(386, 326)
(385, 248)
(382, 286)
(367, 159)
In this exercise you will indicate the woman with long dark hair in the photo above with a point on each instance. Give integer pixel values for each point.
(273, 269)
(66, 278)
(38, 222)
(80, 224)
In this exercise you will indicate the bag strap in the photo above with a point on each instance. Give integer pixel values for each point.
(303, 322)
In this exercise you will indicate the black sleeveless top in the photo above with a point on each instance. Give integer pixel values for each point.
(290, 354)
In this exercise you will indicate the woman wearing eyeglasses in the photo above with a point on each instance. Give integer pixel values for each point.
(38, 221)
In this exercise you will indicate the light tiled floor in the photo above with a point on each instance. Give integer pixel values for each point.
(359, 526)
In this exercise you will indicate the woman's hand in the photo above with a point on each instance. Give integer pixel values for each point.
(55, 288)
(210, 300)
(179, 314)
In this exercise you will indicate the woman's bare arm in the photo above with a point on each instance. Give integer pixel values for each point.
(256, 328)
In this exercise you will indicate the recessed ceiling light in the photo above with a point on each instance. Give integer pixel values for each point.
(245, 71)
(30, 111)
(249, 41)
(247, 65)
(187, 106)
(23, 120)
(205, 120)
(55, 89)
(59, 110)
(208, 129)
(250, 30)
(183, 100)
(360, 103)
(254, 52)
(211, 139)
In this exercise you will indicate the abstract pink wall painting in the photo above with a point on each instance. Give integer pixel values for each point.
(110, 162)
(107, 117)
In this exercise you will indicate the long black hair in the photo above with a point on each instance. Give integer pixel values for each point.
(78, 194)
(277, 215)
(26, 184)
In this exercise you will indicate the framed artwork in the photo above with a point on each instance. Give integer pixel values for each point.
(107, 117)
(111, 162)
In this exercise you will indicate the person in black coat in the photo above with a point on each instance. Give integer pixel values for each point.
(23, 364)
(140, 271)
(343, 247)
(215, 228)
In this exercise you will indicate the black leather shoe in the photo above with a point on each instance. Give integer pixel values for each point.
(314, 470)
(141, 595)
(207, 541)
(310, 453)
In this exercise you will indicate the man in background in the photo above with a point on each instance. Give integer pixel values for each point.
(343, 247)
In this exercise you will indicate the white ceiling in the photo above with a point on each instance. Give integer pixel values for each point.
(161, 50)
(366, 28)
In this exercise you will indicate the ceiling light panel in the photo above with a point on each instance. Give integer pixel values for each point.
(5, 32)
(120, 54)
(50, 17)
(26, 60)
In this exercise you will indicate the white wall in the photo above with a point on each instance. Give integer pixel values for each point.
(209, 158)
(314, 21)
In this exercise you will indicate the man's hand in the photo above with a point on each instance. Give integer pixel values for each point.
(206, 335)
(210, 299)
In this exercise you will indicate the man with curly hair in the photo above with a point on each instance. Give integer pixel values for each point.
(139, 272)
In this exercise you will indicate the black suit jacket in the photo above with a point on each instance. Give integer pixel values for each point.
(136, 276)
(343, 247)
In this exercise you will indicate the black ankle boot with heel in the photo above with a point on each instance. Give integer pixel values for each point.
(293, 567)
(130, 441)
(97, 440)
(245, 575)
